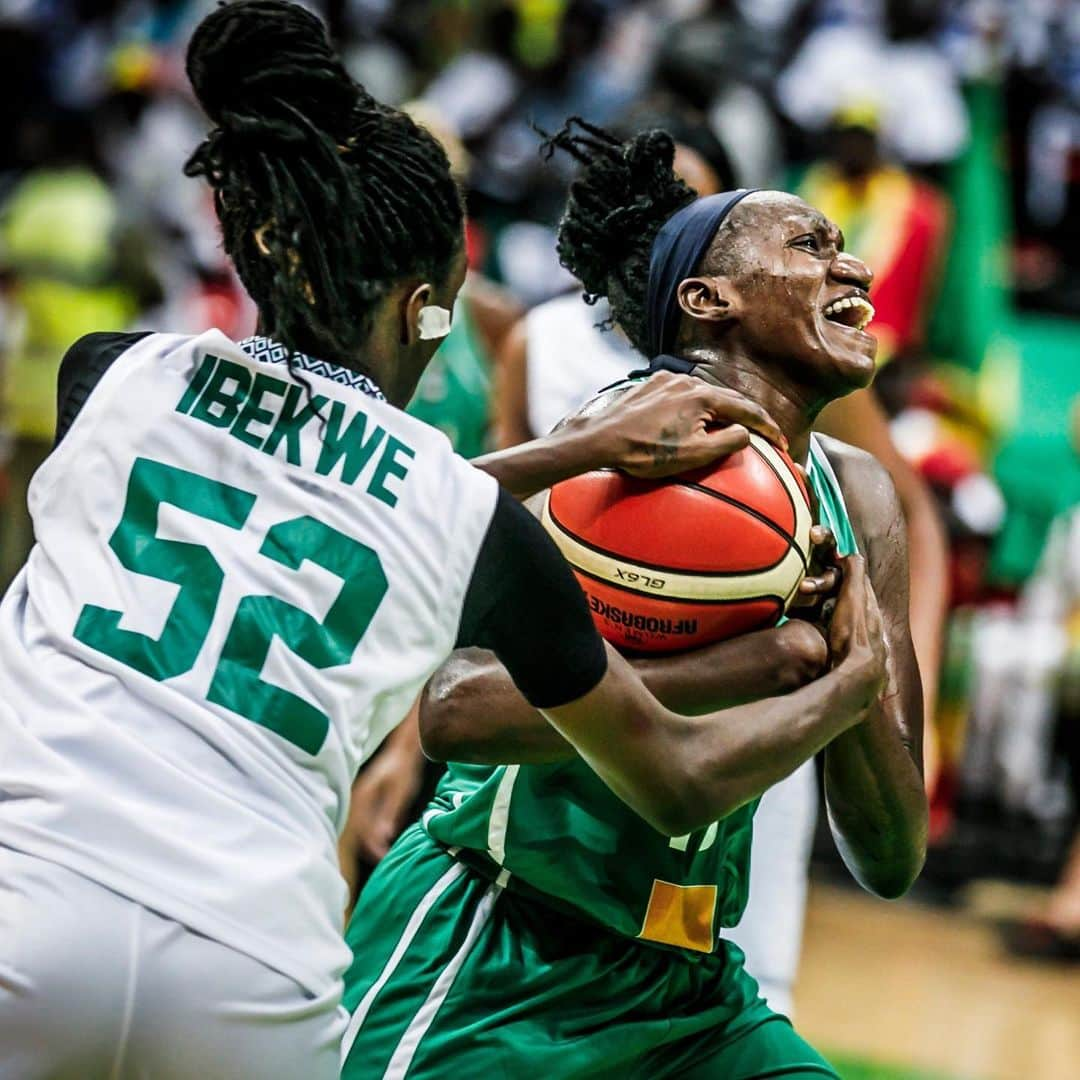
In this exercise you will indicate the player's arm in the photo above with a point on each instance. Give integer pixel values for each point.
(682, 773)
(873, 773)
(665, 425)
(471, 711)
(679, 773)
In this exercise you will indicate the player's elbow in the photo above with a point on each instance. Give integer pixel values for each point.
(671, 820)
(684, 808)
(892, 882)
(443, 719)
(681, 821)
(893, 873)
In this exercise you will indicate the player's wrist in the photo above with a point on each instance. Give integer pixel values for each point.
(593, 442)
(863, 677)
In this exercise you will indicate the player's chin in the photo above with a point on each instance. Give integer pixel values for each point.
(853, 353)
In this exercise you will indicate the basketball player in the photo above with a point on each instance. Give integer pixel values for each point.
(554, 360)
(530, 924)
(248, 563)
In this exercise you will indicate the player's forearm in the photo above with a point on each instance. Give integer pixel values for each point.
(473, 713)
(681, 773)
(576, 447)
(877, 805)
(874, 785)
(733, 672)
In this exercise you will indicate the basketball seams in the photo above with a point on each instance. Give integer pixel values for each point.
(750, 511)
(660, 568)
(783, 487)
(800, 508)
(683, 608)
(673, 584)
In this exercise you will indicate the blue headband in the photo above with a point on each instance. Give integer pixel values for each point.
(678, 248)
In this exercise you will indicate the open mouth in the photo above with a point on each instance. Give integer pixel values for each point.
(851, 311)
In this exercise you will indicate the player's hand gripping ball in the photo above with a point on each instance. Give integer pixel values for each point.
(681, 562)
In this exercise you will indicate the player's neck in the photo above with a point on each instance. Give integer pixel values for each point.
(381, 362)
(396, 368)
(793, 407)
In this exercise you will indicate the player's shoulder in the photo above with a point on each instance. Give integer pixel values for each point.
(868, 489)
(86, 362)
(94, 353)
(92, 350)
(603, 399)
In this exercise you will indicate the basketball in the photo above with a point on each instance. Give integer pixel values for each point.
(677, 563)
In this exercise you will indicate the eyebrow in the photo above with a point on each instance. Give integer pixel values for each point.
(823, 225)
(815, 221)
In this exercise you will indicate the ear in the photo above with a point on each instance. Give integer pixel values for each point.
(711, 299)
(411, 304)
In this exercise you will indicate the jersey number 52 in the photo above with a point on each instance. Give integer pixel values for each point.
(236, 683)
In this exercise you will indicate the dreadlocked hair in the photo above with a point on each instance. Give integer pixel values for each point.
(617, 204)
(325, 196)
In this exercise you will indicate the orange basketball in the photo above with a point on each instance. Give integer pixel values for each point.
(677, 563)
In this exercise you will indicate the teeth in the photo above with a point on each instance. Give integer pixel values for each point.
(865, 307)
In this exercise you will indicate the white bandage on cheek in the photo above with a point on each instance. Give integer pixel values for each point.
(433, 322)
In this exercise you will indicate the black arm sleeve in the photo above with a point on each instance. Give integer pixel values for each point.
(81, 370)
(524, 604)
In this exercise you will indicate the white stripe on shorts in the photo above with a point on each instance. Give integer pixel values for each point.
(499, 821)
(425, 1016)
(411, 930)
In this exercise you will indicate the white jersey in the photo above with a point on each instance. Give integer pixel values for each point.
(231, 602)
(568, 358)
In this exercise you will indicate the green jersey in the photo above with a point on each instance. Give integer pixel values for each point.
(557, 832)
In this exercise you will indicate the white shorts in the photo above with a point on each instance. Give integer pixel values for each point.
(93, 985)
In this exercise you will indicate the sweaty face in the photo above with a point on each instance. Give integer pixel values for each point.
(799, 298)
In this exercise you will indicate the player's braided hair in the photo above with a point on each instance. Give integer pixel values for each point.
(325, 196)
(617, 204)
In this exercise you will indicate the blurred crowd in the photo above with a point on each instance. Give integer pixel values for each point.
(943, 137)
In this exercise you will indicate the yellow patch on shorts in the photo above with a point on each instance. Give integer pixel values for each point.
(680, 915)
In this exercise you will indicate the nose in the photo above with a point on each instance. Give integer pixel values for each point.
(848, 270)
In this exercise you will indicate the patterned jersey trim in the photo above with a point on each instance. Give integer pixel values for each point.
(266, 349)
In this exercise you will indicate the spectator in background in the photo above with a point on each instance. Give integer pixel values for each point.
(885, 54)
(1037, 676)
(543, 62)
(707, 62)
(70, 268)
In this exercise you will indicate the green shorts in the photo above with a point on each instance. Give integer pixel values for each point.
(453, 975)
